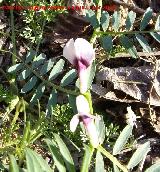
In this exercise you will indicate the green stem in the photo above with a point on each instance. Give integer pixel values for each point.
(112, 158)
(87, 158)
(124, 32)
(87, 95)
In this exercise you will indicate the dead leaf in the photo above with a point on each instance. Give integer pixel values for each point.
(133, 82)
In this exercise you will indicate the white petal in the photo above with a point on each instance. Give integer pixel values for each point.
(82, 105)
(74, 122)
(69, 51)
(84, 49)
(93, 134)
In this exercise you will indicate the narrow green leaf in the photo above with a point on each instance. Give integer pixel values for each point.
(65, 153)
(107, 43)
(91, 17)
(146, 18)
(38, 61)
(15, 68)
(51, 102)
(139, 155)
(154, 168)
(57, 69)
(69, 77)
(143, 42)
(72, 103)
(156, 36)
(122, 139)
(13, 166)
(24, 74)
(115, 168)
(116, 18)
(47, 67)
(130, 20)
(57, 157)
(30, 56)
(87, 158)
(99, 166)
(35, 162)
(29, 85)
(128, 45)
(105, 20)
(157, 25)
(38, 94)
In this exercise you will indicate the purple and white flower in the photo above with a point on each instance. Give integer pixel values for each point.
(87, 119)
(80, 54)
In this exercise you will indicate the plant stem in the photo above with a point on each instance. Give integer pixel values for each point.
(112, 158)
(87, 158)
(124, 32)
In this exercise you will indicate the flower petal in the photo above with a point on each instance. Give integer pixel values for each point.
(91, 131)
(82, 105)
(84, 50)
(74, 122)
(69, 52)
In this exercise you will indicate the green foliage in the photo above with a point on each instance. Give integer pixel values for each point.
(5, 95)
(35, 69)
(35, 19)
(114, 33)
